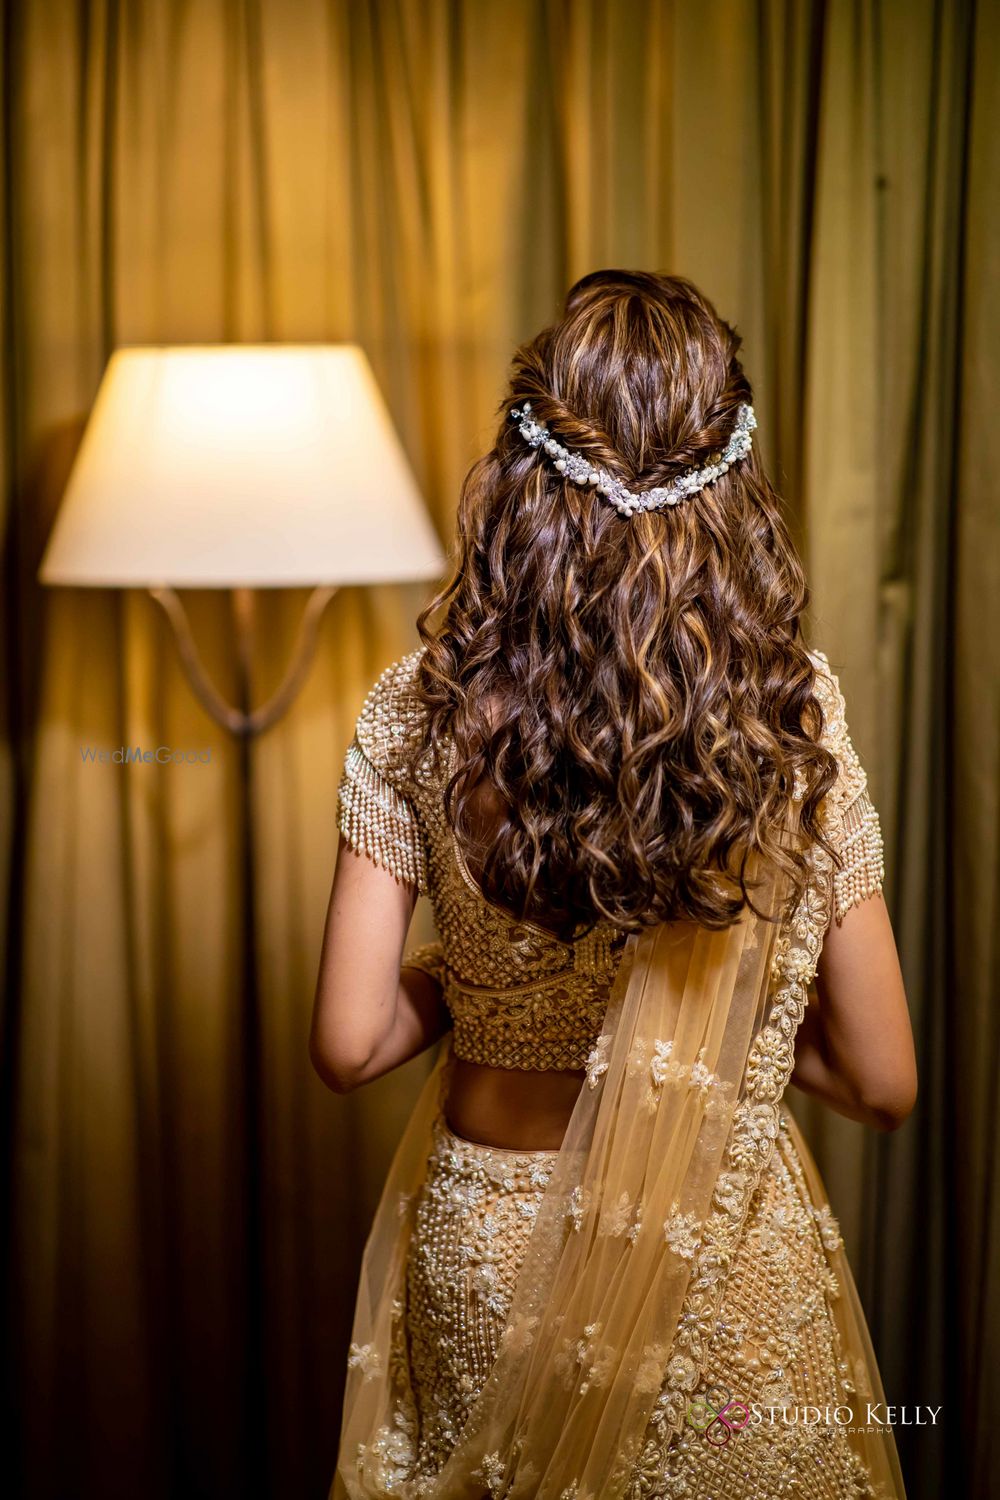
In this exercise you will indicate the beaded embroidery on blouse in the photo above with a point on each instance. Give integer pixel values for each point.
(520, 997)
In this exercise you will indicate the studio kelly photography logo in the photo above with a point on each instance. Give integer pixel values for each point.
(135, 755)
(719, 1415)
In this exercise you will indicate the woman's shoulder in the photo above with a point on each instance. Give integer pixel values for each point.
(852, 779)
(392, 716)
(831, 700)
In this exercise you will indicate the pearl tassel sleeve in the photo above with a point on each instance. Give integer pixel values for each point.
(379, 821)
(852, 820)
(861, 847)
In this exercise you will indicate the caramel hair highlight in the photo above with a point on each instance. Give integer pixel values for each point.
(631, 695)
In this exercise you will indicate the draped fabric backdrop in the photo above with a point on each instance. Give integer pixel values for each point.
(428, 179)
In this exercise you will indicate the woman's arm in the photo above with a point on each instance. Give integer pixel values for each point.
(813, 1072)
(854, 1047)
(369, 1016)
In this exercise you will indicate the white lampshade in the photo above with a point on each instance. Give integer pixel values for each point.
(263, 466)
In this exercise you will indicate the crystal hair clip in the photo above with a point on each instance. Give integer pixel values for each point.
(626, 501)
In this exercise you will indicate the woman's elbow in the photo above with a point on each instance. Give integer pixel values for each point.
(889, 1108)
(337, 1067)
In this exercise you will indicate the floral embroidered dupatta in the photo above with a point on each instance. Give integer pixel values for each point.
(634, 1236)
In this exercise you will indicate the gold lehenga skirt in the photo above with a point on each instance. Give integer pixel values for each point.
(777, 1343)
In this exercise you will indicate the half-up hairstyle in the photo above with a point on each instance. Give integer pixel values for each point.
(631, 693)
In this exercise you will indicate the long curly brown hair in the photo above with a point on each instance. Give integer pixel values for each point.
(630, 694)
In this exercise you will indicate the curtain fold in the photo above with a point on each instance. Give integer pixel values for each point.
(428, 179)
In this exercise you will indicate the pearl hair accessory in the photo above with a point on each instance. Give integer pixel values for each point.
(625, 501)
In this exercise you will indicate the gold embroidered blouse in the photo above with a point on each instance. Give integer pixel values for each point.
(518, 996)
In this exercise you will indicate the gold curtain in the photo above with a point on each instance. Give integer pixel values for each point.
(428, 178)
